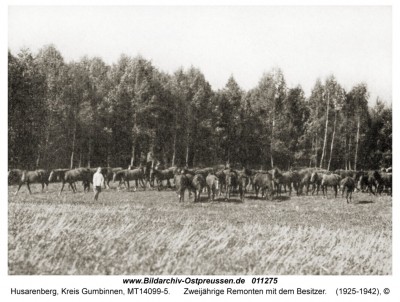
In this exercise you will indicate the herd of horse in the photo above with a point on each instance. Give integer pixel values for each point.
(216, 180)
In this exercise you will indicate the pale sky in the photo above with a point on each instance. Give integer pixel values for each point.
(353, 43)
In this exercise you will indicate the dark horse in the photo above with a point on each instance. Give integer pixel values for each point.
(369, 180)
(108, 174)
(38, 176)
(71, 176)
(330, 180)
(316, 180)
(124, 176)
(157, 176)
(265, 182)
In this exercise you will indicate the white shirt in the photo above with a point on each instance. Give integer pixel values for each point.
(98, 179)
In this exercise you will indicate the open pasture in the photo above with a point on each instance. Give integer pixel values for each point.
(150, 232)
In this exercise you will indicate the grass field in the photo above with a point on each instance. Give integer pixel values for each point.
(149, 232)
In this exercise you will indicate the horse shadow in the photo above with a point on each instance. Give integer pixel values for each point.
(271, 198)
(230, 200)
(364, 202)
(281, 198)
(204, 199)
(254, 197)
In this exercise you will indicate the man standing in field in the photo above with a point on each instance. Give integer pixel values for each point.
(98, 182)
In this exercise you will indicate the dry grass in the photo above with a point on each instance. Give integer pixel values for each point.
(151, 233)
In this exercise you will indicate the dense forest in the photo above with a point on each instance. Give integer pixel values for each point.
(87, 113)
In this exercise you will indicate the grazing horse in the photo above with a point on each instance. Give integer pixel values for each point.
(245, 177)
(316, 180)
(305, 175)
(231, 182)
(330, 180)
(347, 184)
(38, 176)
(212, 182)
(369, 180)
(197, 184)
(296, 181)
(282, 179)
(182, 183)
(264, 182)
(124, 176)
(160, 175)
(386, 182)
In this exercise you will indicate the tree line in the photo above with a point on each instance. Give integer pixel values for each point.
(88, 113)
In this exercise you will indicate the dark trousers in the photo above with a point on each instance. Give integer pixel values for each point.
(97, 191)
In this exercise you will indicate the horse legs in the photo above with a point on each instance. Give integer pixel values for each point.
(348, 194)
(143, 183)
(62, 187)
(335, 188)
(73, 187)
(241, 193)
(214, 192)
(296, 188)
(307, 185)
(182, 195)
(224, 187)
(19, 187)
(370, 189)
(228, 192)
(29, 189)
(265, 193)
(278, 189)
(312, 189)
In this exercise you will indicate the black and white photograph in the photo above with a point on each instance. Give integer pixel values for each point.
(199, 140)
